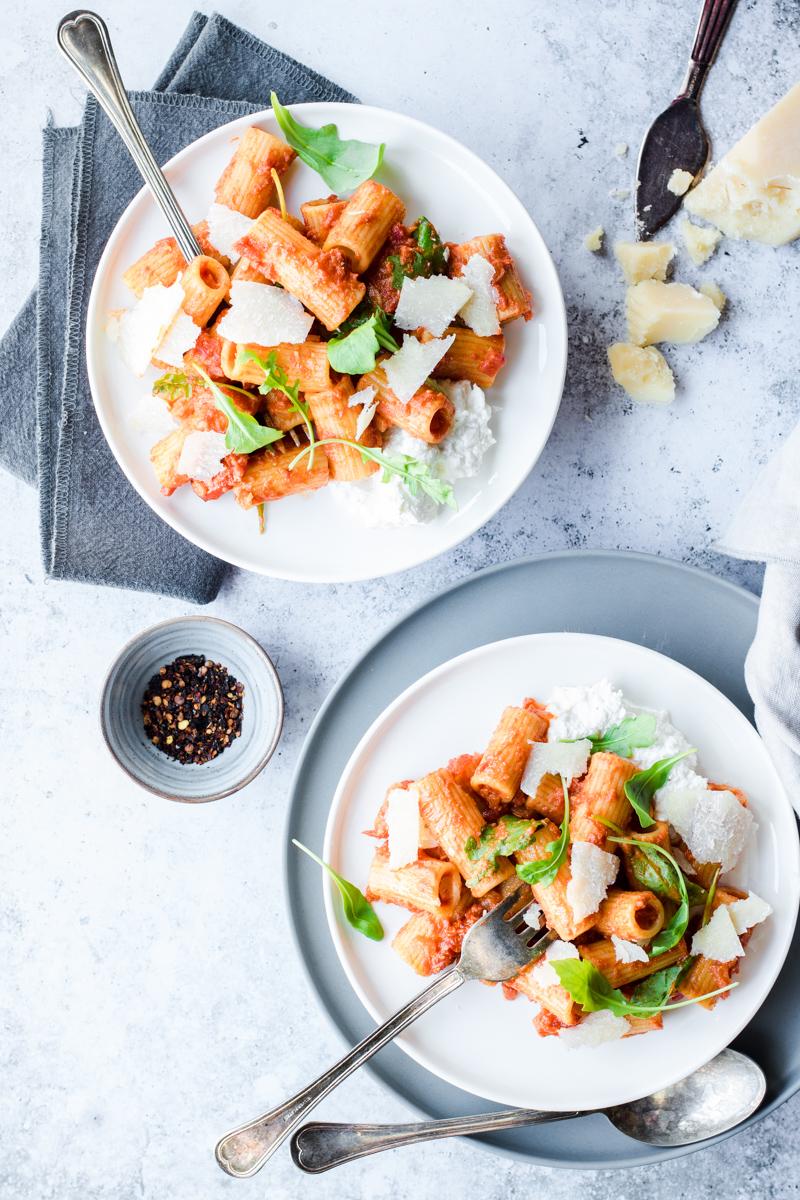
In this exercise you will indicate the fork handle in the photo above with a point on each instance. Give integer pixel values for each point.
(84, 39)
(245, 1150)
(714, 18)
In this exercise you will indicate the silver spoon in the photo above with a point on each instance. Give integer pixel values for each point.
(711, 1100)
(83, 38)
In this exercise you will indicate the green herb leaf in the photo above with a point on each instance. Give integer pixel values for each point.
(545, 870)
(675, 928)
(415, 474)
(589, 987)
(501, 840)
(244, 433)
(173, 385)
(356, 351)
(633, 733)
(357, 909)
(712, 891)
(429, 259)
(276, 379)
(342, 164)
(643, 786)
(657, 988)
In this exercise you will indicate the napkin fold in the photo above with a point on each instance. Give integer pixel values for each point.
(94, 527)
(766, 529)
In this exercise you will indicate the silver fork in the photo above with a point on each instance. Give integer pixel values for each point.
(497, 947)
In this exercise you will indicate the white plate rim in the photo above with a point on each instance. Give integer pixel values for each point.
(791, 861)
(325, 110)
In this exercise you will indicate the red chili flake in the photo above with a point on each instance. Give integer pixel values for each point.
(192, 709)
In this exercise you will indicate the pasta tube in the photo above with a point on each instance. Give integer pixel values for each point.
(333, 417)
(269, 476)
(205, 284)
(427, 885)
(428, 415)
(636, 916)
(453, 817)
(320, 216)
(364, 224)
(471, 356)
(552, 897)
(305, 363)
(246, 184)
(500, 770)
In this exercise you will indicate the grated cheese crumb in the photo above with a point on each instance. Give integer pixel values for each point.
(543, 974)
(679, 182)
(700, 241)
(533, 915)
(594, 240)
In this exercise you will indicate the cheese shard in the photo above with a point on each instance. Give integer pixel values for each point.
(677, 805)
(544, 975)
(721, 827)
(628, 952)
(225, 227)
(403, 824)
(748, 912)
(595, 1029)
(594, 240)
(718, 939)
(370, 406)
(407, 370)
(480, 310)
(644, 260)
(592, 872)
(679, 182)
(430, 303)
(700, 241)
(668, 312)
(262, 314)
(754, 190)
(178, 340)
(202, 454)
(567, 759)
(142, 328)
(715, 293)
(643, 372)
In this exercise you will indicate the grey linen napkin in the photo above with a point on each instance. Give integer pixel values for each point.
(767, 529)
(94, 526)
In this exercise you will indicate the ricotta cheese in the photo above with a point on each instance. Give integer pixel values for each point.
(142, 328)
(225, 227)
(262, 314)
(592, 872)
(643, 372)
(595, 1029)
(480, 311)
(718, 939)
(644, 260)
(462, 452)
(628, 952)
(567, 759)
(410, 366)
(700, 241)
(581, 711)
(202, 454)
(430, 303)
(668, 312)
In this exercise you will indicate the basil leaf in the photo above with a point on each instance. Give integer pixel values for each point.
(633, 733)
(545, 870)
(357, 909)
(173, 385)
(244, 433)
(657, 988)
(589, 987)
(675, 928)
(342, 164)
(644, 785)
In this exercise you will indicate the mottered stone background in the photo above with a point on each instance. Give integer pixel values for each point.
(149, 993)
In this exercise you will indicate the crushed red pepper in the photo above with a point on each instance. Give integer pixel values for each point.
(192, 709)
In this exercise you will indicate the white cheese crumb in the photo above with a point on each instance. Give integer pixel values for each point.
(621, 149)
(462, 452)
(264, 315)
(543, 974)
(714, 293)
(403, 824)
(644, 260)
(619, 193)
(225, 227)
(364, 418)
(567, 759)
(748, 912)
(533, 915)
(178, 340)
(592, 872)
(595, 1029)
(583, 711)
(430, 303)
(480, 311)
(202, 454)
(152, 417)
(700, 241)
(628, 952)
(718, 939)
(594, 240)
(679, 182)
(410, 366)
(362, 396)
(142, 328)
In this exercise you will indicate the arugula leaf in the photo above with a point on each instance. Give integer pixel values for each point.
(276, 379)
(173, 385)
(589, 987)
(643, 786)
(357, 909)
(244, 433)
(658, 987)
(675, 928)
(429, 259)
(545, 870)
(632, 733)
(501, 840)
(342, 164)
(415, 474)
(355, 352)
(712, 891)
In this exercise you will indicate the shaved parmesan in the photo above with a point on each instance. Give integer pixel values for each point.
(142, 328)
(225, 227)
(628, 952)
(202, 454)
(407, 370)
(366, 397)
(180, 338)
(264, 315)
(543, 974)
(720, 829)
(595, 1029)
(677, 806)
(567, 759)
(748, 912)
(480, 311)
(430, 303)
(403, 824)
(533, 915)
(592, 872)
(718, 939)
(152, 417)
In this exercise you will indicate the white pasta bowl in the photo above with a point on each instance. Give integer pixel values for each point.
(475, 1039)
(313, 537)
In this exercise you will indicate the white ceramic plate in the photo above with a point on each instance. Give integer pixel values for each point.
(311, 537)
(475, 1039)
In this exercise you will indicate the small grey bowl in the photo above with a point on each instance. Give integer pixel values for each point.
(262, 709)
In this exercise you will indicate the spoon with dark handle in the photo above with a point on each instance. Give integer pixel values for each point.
(713, 1099)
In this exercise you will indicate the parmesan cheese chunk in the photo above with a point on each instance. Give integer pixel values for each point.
(644, 260)
(480, 311)
(628, 952)
(543, 974)
(142, 328)
(410, 366)
(718, 939)
(264, 315)
(225, 227)
(202, 454)
(594, 240)
(430, 303)
(700, 241)
(152, 417)
(713, 824)
(748, 912)
(567, 759)
(178, 340)
(754, 191)
(679, 182)
(403, 824)
(595, 1029)
(668, 312)
(677, 805)
(592, 872)
(643, 372)
(714, 293)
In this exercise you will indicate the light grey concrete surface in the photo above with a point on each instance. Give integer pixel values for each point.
(149, 993)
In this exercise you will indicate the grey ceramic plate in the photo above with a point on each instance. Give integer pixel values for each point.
(693, 617)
